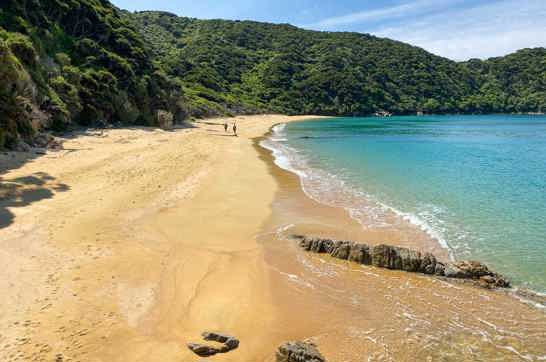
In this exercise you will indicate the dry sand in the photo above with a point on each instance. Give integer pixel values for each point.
(131, 242)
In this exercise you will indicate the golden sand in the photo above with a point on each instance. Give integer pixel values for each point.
(131, 242)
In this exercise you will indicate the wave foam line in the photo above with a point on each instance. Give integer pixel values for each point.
(290, 159)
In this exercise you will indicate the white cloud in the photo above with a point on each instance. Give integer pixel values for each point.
(460, 33)
(392, 12)
(479, 32)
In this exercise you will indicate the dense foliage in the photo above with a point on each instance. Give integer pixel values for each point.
(78, 61)
(250, 66)
(86, 62)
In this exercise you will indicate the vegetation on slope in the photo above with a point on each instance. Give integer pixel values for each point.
(78, 61)
(86, 62)
(282, 68)
(513, 83)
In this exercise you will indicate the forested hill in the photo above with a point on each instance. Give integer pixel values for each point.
(85, 62)
(249, 65)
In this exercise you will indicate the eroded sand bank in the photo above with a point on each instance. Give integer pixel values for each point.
(130, 243)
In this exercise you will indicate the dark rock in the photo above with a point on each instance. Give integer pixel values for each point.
(305, 243)
(466, 270)
(45, 140)
(230, 342)
(360, 253)
(42, 140)
(399, 258)
(386, 256)
(439, 269)
(476, 270)
(428, 263)
(202, 350)
(217, 337)
(317, 245)
(21, 146)
(299, 352)
(410, 259)
(341, 249)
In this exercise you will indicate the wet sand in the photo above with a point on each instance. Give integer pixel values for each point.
(363, 313)
(130, 243)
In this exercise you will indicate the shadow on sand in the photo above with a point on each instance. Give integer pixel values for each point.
(23, 191)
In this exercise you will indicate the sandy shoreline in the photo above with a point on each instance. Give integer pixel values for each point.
(130, 243)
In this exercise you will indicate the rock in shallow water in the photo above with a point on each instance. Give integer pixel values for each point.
(299, 352)
(399, 258)
(341, 249)
(477, 271)
(360, 253)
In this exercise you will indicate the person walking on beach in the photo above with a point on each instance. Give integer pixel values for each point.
(225, 126)
(235, 129)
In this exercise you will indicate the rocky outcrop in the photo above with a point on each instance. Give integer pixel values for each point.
(399, 258)
(203, 350)
(229, 343)
(477, 271)
(165, 119)
(299, 352)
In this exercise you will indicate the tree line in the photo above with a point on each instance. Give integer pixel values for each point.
(85, 62)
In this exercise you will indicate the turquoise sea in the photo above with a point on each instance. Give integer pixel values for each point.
(475, 183)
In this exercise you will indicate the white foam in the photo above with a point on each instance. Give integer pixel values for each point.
(528, 301)
(330, 189)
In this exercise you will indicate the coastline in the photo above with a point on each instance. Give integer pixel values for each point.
(128, 245)
(353, 311)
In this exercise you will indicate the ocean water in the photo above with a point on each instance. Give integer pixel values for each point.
(477, 184)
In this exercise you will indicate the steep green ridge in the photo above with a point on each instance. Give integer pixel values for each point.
(77, 61)
(245, 65)
(513, 83)
(86, 62)
(285, 69)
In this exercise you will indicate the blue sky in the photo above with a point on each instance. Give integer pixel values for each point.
(457, 29)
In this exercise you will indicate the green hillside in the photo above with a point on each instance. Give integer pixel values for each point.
(84, 62)
(66, 61)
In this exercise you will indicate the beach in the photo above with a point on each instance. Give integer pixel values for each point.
(129, 243)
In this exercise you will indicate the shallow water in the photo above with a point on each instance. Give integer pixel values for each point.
(476, 184)
(361, 313)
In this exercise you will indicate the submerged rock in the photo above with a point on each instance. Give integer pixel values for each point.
(299, 352)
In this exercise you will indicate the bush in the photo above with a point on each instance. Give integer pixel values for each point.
(23, 49)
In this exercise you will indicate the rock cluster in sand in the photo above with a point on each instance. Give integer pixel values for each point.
(229, 343)
(399, 258)
(299, 352)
